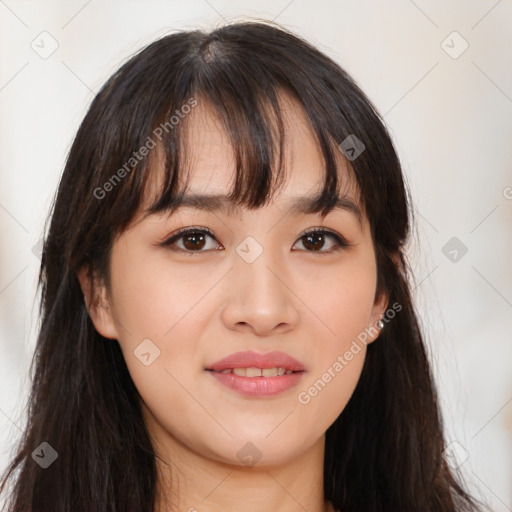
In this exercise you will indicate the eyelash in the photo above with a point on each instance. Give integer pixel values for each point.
(341, 243)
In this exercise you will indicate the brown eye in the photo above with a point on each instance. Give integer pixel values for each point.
(314, 241)
(193, 240)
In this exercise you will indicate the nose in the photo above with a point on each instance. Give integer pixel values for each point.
(260, 296)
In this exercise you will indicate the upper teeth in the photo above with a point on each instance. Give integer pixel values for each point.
(257, 372)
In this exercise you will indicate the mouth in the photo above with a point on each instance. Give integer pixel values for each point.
(257, 372)
(252, 374)
(254, 364)
(257, 382)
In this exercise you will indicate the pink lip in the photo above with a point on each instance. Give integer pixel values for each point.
(251, 359)
(258, 386)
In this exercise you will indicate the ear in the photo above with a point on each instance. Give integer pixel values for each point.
(379, 308)
(97, 303)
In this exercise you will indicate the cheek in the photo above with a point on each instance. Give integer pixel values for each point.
(342, 300)
(339, 362)
(160, 337)
(151, 297)
(326, 393)
(162, 322)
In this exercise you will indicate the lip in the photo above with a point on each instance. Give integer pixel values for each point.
(251, 359)
(258, 386)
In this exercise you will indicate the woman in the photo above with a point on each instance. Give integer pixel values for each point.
(226, 316)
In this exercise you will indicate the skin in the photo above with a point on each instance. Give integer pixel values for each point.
(202, 307)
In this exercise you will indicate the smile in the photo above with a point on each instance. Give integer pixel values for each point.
(254, 383)
(257, 372)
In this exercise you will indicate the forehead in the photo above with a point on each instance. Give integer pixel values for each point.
(211, 164)
(212, 159)
(208, 166)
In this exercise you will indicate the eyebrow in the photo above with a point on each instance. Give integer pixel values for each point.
(294, 205)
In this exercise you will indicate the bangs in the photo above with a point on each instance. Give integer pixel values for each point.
(255, 128)
(245, 96)
(242, 75)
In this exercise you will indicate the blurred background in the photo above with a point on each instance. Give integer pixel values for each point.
(441, 76)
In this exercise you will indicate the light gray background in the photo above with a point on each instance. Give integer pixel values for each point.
(450, 116)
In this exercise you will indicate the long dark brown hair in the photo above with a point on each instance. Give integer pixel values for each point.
(385, 450)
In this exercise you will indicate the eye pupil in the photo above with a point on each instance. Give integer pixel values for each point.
(311, 245)
(194, 241)
(195, 237)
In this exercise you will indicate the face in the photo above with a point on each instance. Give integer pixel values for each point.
(243, 281)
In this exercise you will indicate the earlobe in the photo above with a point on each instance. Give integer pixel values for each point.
(97, 303)
(380, 305)
(378, 312)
